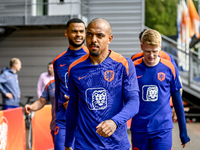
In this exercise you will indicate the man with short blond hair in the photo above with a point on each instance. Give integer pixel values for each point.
(151, 128)
(9, 84)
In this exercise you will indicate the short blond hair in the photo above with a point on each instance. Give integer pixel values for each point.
(151, 37)
(14, 61)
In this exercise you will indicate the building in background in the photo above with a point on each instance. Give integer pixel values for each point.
(36, 28)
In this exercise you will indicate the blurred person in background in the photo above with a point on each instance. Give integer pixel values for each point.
(44, 78)
(48, 95)
(9, 84)
(75, 33)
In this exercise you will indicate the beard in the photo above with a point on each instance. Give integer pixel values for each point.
(50, 72)
(94, 54)
(74, 44)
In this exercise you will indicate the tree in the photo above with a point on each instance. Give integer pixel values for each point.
(161, 15)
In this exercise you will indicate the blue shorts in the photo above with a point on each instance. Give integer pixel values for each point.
(7, 107)
(53, 134)
(59, 138)
(161, 140)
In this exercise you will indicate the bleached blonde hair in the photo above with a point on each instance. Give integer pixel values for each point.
(151, 37)
(14, 61)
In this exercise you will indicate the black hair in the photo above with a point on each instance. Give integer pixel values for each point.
(50, 63)
(74, 20)
(140, 35)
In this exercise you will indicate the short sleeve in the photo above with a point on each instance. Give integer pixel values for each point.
(45, 93)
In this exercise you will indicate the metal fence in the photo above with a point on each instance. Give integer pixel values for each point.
(188, 63)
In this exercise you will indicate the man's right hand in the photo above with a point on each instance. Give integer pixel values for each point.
(9, 95)
(27, 109)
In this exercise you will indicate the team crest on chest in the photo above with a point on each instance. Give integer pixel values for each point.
(109, 75)
(150, 93)
(161, 76)
(96, 98)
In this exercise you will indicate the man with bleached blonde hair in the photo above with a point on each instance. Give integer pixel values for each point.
(151, 128)
(9, 85)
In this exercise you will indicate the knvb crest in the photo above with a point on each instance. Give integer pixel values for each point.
(109, 75)
(161, 76)
(56, 130)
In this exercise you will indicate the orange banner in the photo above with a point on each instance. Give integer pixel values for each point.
(12, 129)
(42, 138)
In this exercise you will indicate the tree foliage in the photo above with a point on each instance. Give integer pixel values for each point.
(161, 15)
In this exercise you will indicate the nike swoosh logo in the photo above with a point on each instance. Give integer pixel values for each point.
(61, 65)
(139, 76)
(81, 77)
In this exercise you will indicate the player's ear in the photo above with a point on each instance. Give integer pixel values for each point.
(141, 45)
(159, 48)
(110, 39)
(66, 35)
(140, 40)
